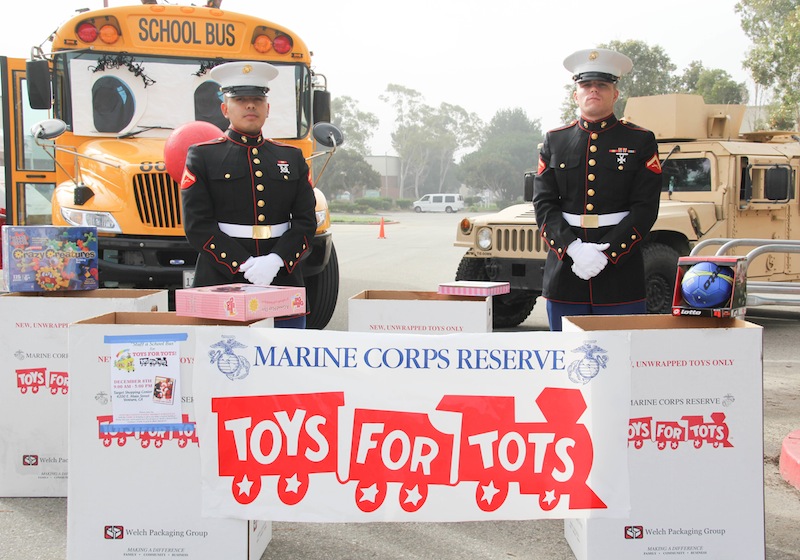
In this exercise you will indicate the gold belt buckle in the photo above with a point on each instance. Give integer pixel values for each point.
(262, 232)
(590, 221)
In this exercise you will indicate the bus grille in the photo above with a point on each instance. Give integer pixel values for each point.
(158, 200)
(517, 240)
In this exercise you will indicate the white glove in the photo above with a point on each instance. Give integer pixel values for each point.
(588, 258)
(261, 270)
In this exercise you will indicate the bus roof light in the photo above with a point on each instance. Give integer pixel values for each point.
(262, 44)
(282, 44)
(87, 32)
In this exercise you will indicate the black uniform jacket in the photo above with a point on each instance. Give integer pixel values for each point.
(601, 167)
(249, 180)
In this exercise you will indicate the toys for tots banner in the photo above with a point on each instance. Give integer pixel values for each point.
(342, 427)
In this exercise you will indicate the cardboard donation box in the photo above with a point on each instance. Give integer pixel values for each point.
(695, 442)
(35, 380)
(716, 287)
(135, 482)
(49, 258)
(418, 312)
(240, 302)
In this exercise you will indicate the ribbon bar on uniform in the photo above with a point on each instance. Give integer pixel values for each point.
(254, 232)
(592, 221)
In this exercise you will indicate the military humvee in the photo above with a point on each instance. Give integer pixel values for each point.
(716, 183)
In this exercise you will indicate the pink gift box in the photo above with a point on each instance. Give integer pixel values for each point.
(473, 288)
(240, 302)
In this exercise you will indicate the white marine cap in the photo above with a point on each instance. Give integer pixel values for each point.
(597, 64)
(243, 78)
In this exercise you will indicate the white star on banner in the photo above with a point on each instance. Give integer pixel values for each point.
(244, 486)
(549, 497)
(489, 492)
(413, 496)
(368, 494)
(292, 484)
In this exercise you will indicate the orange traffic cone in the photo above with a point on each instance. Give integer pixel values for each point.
(381, 232)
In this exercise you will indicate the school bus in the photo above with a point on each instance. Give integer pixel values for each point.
(122, 79)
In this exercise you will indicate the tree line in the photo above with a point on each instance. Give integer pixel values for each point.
(440, 148)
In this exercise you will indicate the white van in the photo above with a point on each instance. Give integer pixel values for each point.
(439, 203)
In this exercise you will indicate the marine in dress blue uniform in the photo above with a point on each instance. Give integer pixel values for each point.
(247, 199)
(596, 192)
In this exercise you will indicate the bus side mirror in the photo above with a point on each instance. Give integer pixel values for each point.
(48, 129)
(40, 95)
(328, 135)
(527, 186)
(322, 106)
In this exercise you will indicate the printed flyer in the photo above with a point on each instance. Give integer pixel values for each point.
(145, 382)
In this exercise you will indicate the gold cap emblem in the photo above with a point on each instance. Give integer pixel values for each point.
(246, 69)
(593, 55)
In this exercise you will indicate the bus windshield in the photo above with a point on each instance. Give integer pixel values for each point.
(121, 94)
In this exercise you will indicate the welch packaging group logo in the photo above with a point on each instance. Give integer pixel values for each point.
(113, 532)
(30, 460)
(634, 532)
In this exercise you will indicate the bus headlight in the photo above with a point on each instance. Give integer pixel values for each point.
(103, 221)
(484, 238)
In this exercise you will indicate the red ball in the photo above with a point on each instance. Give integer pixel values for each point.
(180, 139)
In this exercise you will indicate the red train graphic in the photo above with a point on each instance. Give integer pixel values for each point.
(294, 436)
(184, 435)
(291, 436)
(33, 379)
(672, 433)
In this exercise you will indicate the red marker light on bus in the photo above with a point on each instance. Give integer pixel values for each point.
(262, 44)
(109, 34)
(282, 44)
(87, 32)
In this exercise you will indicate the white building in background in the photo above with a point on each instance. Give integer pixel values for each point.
(388, 167)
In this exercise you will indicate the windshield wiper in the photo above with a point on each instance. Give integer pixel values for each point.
(144, 129)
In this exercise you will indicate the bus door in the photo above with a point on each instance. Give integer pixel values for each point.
(29, 174)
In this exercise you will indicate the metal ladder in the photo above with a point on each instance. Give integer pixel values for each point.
(760, 293)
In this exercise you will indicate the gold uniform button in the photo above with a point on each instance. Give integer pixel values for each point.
(259, 173)
(590, 176)
(592, 162)
(585, 123)
(593, 148)
(552, 242)
(244, 139)
(261, 203)
(562, 166)
(614, 254)
(261, 217)
(227, 175)
(297, 255)
(590, 192)
(590, 207)
(223, 255)
(291, 263)
(633, 236)
(560, 249)
(594, 136)
(234, 264)
(212, 246)
(254, 151)
(256, 161)
(259, 187)
(623, 245)
(304, 246)
(620, 168)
